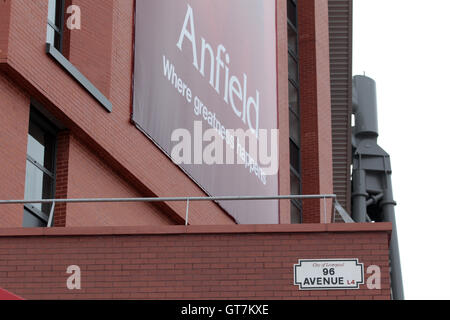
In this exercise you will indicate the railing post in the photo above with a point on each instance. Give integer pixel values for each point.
(187, 211)
(333, 208)
(325, 208)
(50, 217)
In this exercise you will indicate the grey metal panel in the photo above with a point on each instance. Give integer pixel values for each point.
(340, 33)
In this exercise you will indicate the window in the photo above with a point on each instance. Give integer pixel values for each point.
(55, 23)
(54, 49)
(294, 110)
(40, 170)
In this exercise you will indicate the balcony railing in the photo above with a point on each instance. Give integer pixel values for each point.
(336, 207)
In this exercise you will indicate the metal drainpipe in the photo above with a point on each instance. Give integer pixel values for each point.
(359, 196)
(388, 212)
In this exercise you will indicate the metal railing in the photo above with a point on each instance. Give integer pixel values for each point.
(335, 205)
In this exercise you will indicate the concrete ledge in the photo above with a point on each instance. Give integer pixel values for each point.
(167, 230)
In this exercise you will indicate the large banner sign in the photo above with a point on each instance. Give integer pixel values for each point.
(205, 92)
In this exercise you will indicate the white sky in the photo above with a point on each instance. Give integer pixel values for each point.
(404, 45)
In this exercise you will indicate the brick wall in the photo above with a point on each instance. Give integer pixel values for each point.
(4, 29)
(315, 122)
(324, 134)
(90, 50)
(62, 173)
(103, 51)
(110, 136)
(90, 177)
(87, 176)
(177, 262)
(14, 117)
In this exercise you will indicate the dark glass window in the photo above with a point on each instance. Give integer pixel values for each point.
(294, 110)
(295, 184)
(292, 39)
(40, 170)
(55, 23)
(296, 213)
(294, 128)
(294, 104)
(294, 151)
(292, 12)
(293, 69)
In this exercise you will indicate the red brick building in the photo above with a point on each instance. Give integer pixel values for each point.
(66, 98)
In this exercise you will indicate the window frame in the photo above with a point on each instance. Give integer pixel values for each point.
(37, 119)
(294, 173)
(58, 26)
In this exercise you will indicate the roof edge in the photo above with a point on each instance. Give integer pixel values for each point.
(216, 229)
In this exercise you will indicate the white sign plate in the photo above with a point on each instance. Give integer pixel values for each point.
(328, 274)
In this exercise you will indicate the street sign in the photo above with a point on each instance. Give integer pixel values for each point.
(328, 274)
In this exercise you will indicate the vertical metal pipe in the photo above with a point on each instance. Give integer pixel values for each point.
(359, 196)
(387, 205)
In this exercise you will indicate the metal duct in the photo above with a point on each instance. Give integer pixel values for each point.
(371, 178)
